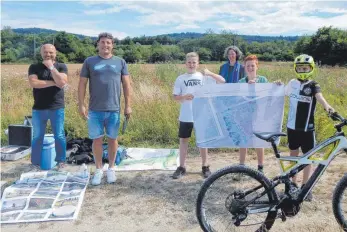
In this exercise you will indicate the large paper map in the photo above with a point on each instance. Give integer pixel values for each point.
(44, 196)
(226, 115)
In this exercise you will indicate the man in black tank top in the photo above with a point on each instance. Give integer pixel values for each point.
(303, 94)
(48, 80)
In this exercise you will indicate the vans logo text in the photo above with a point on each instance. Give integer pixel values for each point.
(192, 82)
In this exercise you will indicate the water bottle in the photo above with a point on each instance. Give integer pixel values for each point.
(84, 170)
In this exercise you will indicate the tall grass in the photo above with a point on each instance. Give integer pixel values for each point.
(154, 122)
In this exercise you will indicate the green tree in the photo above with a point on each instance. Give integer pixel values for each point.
(10, 55)
(327, 46)
(204, 54)
(61, 58)
(159, 53)
(118, 51)
(132, 54)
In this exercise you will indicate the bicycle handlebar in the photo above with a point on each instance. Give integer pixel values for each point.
(336, 117)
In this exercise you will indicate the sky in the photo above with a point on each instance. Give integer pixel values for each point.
(138, 18)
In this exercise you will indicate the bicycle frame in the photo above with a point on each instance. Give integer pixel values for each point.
(339, 142)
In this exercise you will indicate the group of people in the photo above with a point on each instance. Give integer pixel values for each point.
(303, 94)
(106, 75)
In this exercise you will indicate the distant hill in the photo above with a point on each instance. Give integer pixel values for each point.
(33, 30)
(36, 30)
(260, 38)
(184, 35)
(176, 36)
(248, 38)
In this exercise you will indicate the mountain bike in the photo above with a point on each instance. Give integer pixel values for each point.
(253, 203)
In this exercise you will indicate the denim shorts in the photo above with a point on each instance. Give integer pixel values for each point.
(98, 120)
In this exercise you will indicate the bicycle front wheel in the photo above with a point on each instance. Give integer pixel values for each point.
(236, 198)
(340, 202)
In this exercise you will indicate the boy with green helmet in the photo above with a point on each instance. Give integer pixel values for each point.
(304, 67)
(303, 94)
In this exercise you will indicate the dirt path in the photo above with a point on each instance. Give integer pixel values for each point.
(152, 201)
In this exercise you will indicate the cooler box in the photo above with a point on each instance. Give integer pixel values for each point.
(19, 140)
(48, 154)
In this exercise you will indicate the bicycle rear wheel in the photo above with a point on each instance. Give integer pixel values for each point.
(225, 202)
(340, 202)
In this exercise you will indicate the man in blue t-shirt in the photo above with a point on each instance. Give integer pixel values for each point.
(105, 73)
(48, 80)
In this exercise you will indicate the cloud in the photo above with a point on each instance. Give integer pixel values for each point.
(291, 19)
(186, 26)
(76, 28)
(271, 18)
(18, 23)
(115, 7)
(153, 17)
(104, 11)
(333, 10)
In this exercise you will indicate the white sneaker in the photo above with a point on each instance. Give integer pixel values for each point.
(97, 177)
(111, 175)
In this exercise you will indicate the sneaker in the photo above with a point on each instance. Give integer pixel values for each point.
(261, 168)
(206, 171)
(237, 176)
(180, 171)
(97, 177)
(111, 176)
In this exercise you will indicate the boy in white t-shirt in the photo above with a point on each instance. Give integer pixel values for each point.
(183, 93)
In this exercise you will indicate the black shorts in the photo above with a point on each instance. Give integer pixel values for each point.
(304, 139)
(185, 130)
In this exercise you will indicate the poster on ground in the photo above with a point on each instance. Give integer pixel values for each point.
(149, 159)
(44, 196)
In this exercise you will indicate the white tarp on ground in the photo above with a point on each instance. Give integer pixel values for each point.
(226, 115)
(149, 159)
(44, 196)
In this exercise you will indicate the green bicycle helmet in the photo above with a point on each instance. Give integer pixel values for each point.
(304, 60)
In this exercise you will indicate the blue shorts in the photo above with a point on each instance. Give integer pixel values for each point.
(98, 120)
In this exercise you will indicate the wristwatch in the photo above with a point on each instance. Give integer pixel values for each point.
(51, 68)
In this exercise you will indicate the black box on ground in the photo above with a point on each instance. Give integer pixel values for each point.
(19, 142)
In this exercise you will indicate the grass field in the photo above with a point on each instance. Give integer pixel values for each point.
(154, 119)
(152, 200)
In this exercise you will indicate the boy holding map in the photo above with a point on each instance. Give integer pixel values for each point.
(183, 93)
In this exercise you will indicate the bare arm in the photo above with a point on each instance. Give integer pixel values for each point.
(39, 84)
(181, 98)
(323, 102)
(82, 86)
(59, 78)
(217, 77)
(127, 95)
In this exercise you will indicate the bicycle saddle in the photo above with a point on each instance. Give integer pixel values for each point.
(267, 136)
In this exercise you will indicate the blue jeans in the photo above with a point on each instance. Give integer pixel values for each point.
(100, 120)
(39, 122)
